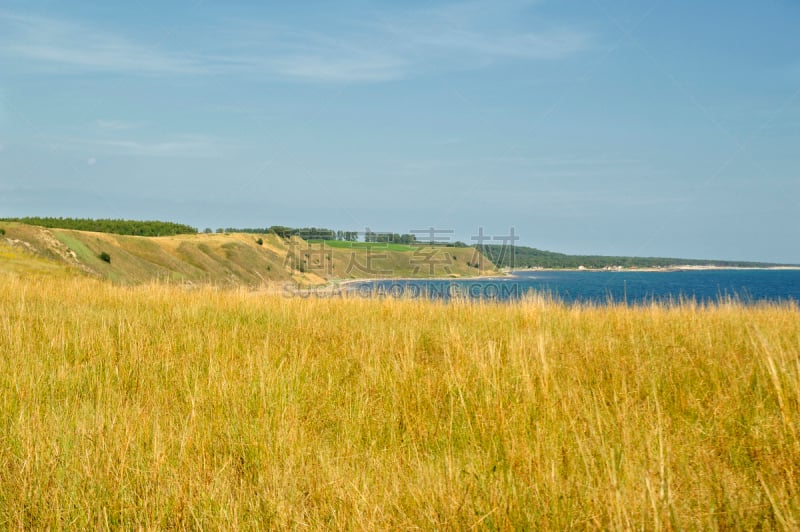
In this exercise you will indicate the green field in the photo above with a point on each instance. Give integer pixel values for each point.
(341, 244)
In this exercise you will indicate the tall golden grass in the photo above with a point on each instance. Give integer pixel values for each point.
(162, 407)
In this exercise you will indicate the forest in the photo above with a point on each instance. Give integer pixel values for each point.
(119, 227)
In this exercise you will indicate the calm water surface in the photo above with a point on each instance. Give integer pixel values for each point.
(633, 287)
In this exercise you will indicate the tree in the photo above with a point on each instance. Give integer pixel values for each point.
(281, 231)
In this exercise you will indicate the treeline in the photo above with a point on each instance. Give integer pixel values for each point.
(324, 233)
(306, 233)
(389, 238)
(119, 227)
(527, 257)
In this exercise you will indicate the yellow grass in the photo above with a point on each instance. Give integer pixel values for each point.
(159, 407)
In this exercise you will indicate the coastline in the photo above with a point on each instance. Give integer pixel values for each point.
(677, 268)
(333, 285)
(345, 282)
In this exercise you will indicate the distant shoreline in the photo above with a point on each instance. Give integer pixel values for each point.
(343, 282)
(686, 267)
(333, 283)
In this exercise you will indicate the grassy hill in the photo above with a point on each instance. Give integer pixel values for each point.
(21, 261)
(229, 259)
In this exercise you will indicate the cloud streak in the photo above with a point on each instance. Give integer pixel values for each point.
(484, 30)
(116, 125)
(405, 44)
(65, 44)
(189, 146)
(377, 47)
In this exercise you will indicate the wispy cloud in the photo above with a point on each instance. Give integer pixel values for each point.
(55, 42)
(328, 65)
(402, 44)
(484, 30)
(117, 125)
(531, 166)
(379, 46)
(188, 146)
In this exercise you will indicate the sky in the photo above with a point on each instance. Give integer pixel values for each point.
(649, 128)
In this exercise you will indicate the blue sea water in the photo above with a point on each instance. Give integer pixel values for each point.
(632, 287)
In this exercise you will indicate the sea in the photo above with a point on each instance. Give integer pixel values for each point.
(603, 287)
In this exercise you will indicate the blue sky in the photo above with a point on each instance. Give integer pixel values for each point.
(610, 127)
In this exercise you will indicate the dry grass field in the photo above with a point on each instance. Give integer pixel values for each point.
(161, 407)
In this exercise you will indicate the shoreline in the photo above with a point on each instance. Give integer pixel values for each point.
(343, 282)
(512, 273)
(336, 284)
(676, 268)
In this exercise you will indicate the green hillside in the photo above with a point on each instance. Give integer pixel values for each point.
(233, 259)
